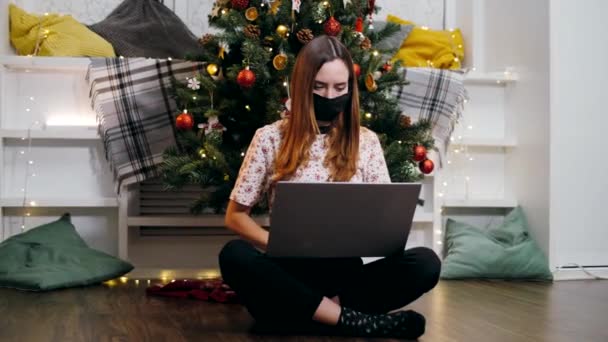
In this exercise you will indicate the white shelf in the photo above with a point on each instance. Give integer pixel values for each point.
(218, 220)
(485, 142)
(423, 217)
(480, 203)
(490, 78)
(185, 221)
(64, 133)
(45, 63)
(110, 202)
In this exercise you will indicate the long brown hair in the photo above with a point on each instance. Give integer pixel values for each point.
(300, 129)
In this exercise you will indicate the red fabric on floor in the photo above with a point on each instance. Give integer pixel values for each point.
(213, 290)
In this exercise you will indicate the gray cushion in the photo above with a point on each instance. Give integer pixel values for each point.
(395, 40)
(146, 28)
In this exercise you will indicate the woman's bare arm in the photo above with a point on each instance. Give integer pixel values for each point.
(238, 220)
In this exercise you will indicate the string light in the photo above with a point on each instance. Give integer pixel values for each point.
(28, 167)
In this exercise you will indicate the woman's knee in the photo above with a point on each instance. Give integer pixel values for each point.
(429, 266)
(234, 253)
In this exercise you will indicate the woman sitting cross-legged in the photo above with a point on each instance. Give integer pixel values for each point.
(320, 141)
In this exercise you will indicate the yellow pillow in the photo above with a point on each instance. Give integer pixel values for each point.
(59, 36)
(424, 47)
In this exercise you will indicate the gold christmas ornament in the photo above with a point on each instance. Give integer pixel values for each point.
(212, 69)
(370, 83)
(279, 61)
(275, 5)
(251, 13)
(282, 30)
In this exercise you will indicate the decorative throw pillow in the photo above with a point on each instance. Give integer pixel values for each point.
(394, 40)
(54, 35)
(503, 252)
(54, 256)
(146, 28)
(424, 47)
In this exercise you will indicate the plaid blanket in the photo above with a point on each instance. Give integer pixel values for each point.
(131, 97)
(433, 94)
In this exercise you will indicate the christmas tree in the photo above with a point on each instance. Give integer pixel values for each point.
(245, 86)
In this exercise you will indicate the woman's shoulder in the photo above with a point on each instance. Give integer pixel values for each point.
(367, 136)
(271, 130)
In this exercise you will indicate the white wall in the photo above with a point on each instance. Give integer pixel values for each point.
(579, 168)
(194, 12)
(523, 45)
(422, 12)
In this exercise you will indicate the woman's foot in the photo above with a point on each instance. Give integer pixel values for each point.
(402, 324)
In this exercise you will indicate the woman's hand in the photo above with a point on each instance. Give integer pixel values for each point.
(238, 220)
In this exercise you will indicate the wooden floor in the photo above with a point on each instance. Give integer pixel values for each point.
(455, 311)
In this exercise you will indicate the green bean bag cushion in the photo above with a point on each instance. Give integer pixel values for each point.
(54, 256)
(503, 252)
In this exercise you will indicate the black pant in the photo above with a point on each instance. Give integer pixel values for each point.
(289, 290)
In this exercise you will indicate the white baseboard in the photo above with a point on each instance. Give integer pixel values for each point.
(579, 274)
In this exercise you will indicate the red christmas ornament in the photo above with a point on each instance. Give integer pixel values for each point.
(419, 153)
(426, 166)
(359, 25)
(245, 78)
(332, 27)
(184, 121)
(387, 67)
(357, 69)
(240, 4)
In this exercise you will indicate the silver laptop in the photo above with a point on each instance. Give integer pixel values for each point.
(327, 220)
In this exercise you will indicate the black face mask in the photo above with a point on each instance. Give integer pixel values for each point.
(328, 109)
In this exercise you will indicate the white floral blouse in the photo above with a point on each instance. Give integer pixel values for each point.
(258, 166)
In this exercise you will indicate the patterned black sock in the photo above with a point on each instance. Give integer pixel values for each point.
(402, 324)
